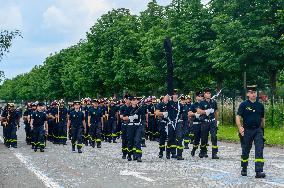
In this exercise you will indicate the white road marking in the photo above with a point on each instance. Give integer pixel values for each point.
(278, 165)
(272, 183)
(212, 169)
(135, 174)
(46, 180)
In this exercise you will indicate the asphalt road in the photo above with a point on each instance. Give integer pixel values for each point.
(58, 166)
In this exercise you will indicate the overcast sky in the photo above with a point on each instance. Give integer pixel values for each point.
(48, 26)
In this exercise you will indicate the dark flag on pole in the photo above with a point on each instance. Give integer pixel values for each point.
(170, 65)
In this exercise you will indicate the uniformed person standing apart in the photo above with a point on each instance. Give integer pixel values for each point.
(209, 118)
(77, 121)
(39, 126)
(252, 113)
(10, 120)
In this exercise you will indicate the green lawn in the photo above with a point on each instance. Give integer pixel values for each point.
(272, 136)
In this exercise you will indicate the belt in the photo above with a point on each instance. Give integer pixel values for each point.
(134, 123)
(209, 120)
(196, 123)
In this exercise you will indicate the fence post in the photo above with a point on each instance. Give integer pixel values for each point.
(234, 107)
(222, 108)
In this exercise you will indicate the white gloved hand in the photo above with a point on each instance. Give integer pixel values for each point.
(135, 116)
(197, 115)
(218, 122)
(212, 110)
(208, 111)
(165, 114)
(131, 118)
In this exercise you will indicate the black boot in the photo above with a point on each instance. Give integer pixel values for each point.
(260, 175)
(205, 155)
(35, 149)
(160, 154)
(186, 146)
(193, 152)
(201, 154)
(124, 156)
(79, 151)
(99, 145)
(129, 158)
(215, 156)
(73, 147)
(41, 150)
(143, 143)
(139, 160)
(244, 172)
(168, 154)
(174, 156)
(180, 158)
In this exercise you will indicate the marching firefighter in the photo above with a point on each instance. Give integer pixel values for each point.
(209, 114)
(112, 116)
(61, 119)
(196, 122)
(124, 123)
(252, 113)
(10, 120)
(77, 121)
(133, 115)
(26, 119)
(39, 126)
(95, 120)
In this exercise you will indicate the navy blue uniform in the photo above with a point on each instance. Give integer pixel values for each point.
(177, 113)
(96, 115)
(186, 129)
(252, 114)
(62, 125)
(28, 112)
(196, 124)
(111, 122)
(153, 131)
(10, 127)
(124, 130)
(39, 118)
(208, 124)
(52, 126)
(77, 118)
(86, 135)
(134, 131)
(162, 126)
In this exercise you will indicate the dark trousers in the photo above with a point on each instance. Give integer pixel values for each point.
(170, 134)
(38, 137)
(77, 133)
(197, 134)
(186, 132)
(10, 134)
(28, 131)
(96, 132)
(111, 128)
(86, 135)
(206, 128)
(134, 137)
(256, 136)
(179, 137)
(124, 138)
(62, 132)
